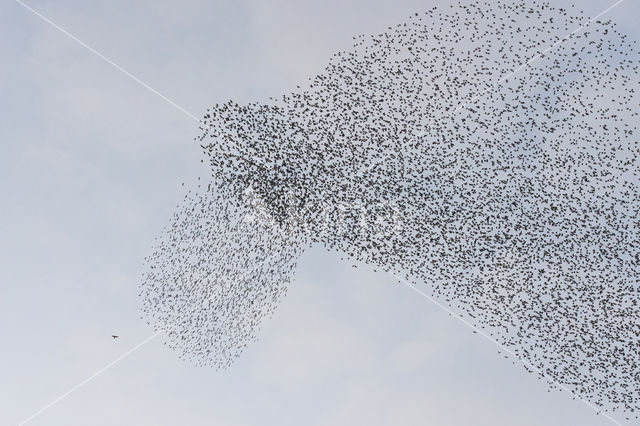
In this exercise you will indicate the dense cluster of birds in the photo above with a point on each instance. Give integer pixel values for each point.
(488, 151)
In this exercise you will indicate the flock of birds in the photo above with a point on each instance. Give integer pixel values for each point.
(455, 149)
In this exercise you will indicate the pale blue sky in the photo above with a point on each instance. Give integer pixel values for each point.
(91, 165)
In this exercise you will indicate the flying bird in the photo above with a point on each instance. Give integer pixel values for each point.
(478, 150)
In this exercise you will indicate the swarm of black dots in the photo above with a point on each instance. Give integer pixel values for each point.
(486, 153)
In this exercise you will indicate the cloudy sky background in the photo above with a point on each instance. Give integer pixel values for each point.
(91, 166)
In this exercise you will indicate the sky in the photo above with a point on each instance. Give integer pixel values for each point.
(91, 168)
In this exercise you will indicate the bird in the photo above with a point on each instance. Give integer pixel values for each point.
(480, 150)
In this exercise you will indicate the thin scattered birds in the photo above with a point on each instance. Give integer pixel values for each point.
(518, 208)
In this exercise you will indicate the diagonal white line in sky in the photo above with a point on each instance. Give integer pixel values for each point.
(118, 67)
(88, 379)
(68, 34)
(505, 349)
